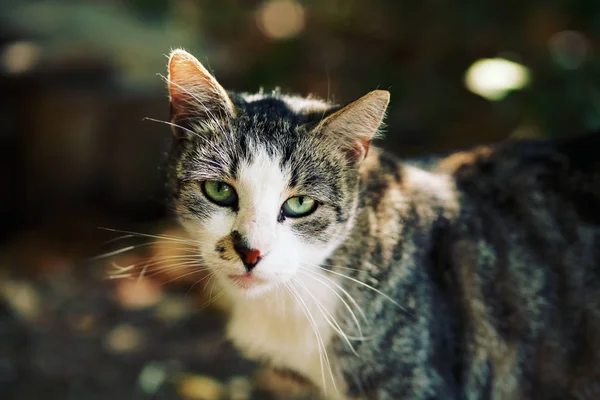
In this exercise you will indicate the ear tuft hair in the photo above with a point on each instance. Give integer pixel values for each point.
(193, 91)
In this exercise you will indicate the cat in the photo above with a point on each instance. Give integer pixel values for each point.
(474, 275)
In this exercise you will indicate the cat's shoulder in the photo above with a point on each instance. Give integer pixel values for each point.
(572, 154)
(566, 168)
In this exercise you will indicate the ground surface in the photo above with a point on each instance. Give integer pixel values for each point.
(68, 333)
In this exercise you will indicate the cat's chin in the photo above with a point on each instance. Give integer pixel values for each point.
(247, 286)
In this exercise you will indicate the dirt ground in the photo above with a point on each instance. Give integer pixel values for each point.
(69, 333)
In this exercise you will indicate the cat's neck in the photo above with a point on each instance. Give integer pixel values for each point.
(289, 327)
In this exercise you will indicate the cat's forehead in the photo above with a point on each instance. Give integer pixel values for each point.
(269, 139)
(263, 173)
(275, 101)
(276, 122)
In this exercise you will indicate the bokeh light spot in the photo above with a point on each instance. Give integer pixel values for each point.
(569, 49)
(493, 78)
(280, 19)
(19, 57)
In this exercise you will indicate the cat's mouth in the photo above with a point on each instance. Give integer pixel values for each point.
(246, 281)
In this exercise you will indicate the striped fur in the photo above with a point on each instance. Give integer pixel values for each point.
(483, 265)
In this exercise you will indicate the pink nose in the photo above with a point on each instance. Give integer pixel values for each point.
(250, 257)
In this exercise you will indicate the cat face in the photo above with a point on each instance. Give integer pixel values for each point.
(266, 184)
(259, 219)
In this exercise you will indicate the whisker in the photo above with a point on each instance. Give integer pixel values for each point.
(329, 318)
(313, 327)
(184, 275)
(120, 268)
(352, 314)
(117, 239)
(153, 261)
(316, 275)
(319, 338)
(368, 287)
(170, 124)
(173, 267)
(162, 236)
(328, 93)
(113, 253)
(211, 301)
(158, 268)
(193, 255)
(198, 101)
(209, 276)
(170, 267)
(212, 287)
(119, 276)
(337, 266)
(190, 249)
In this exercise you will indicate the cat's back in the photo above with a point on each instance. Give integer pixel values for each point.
(494, 256)
(514, 172)
(525, 251)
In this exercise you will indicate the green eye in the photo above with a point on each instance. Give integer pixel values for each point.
(299, 206)
(219, 193)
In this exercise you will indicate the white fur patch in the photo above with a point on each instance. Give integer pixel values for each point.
(276, 328)
(269, 322)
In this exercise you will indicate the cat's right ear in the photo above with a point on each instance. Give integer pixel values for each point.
(353, 127)
(194, 93)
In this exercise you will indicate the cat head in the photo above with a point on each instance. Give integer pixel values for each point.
(267, 184)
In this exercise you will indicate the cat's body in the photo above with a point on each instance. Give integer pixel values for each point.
(499, 267)
(471, 276)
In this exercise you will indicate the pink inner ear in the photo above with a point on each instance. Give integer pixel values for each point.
(193, 90)
(179, 78)
(181, 103)
(359, 150)
(366, 146)
(186, 78)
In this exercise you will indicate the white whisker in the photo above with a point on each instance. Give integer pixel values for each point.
(199, 102)
(313, 327)
(113, 253)
(211, 301)
(320, 341)
(120, 268)
(329, 318)
(340, 267)
(166, 268)
(316, 276)
(189, 249)
(119, 276)
(162, 236)
(210, 276)
(368, 287)
(186, 274)
(170, 124)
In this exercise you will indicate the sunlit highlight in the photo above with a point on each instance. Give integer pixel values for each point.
(19, 57)
(494, 78)
(280, 19)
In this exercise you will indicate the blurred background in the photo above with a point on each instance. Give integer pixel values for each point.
(77, 79)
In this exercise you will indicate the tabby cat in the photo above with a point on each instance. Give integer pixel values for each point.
(469, 276)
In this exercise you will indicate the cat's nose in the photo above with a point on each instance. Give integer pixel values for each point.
(250, 257)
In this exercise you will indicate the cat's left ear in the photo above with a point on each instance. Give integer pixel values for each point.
(193, 91)
(354, 126)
